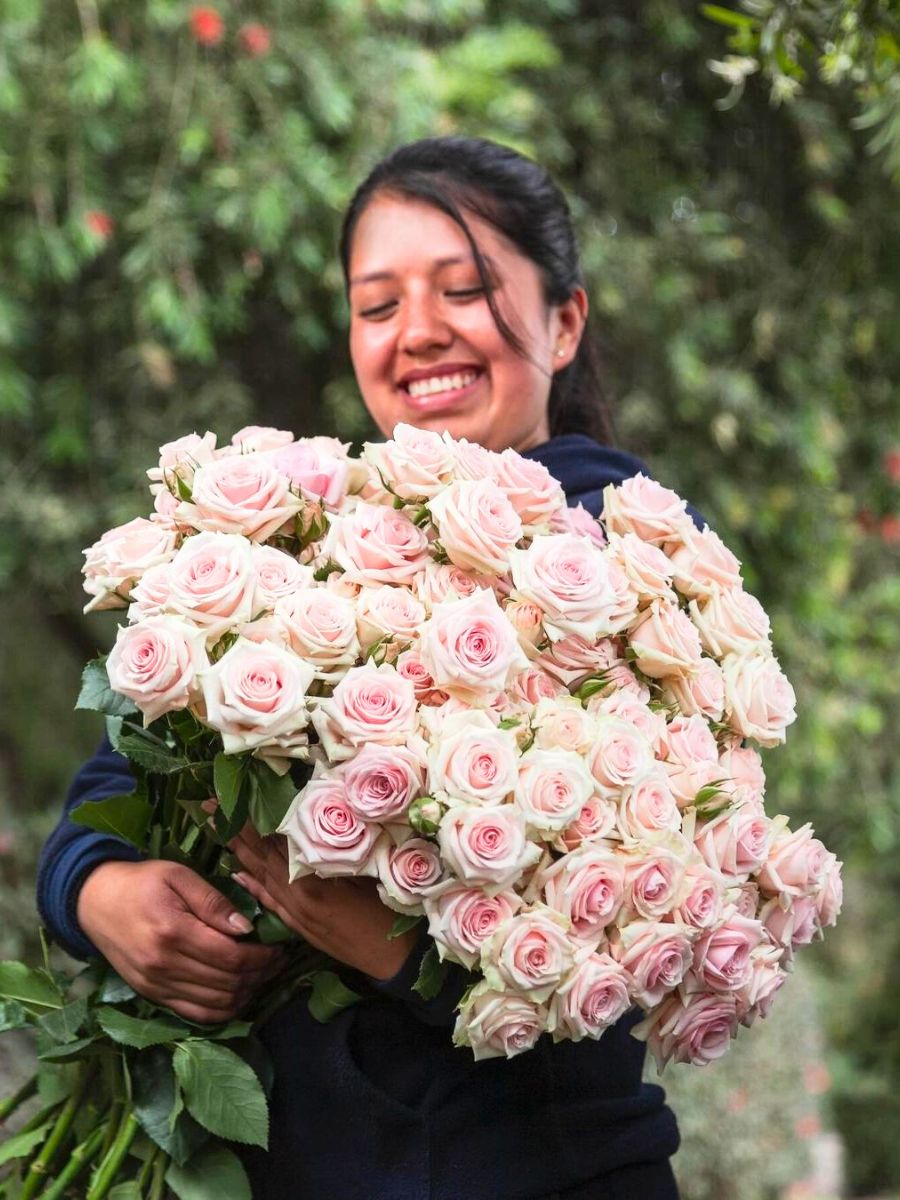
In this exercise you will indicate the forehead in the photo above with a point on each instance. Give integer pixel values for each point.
(397, 233)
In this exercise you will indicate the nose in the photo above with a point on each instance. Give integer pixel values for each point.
(423, 326)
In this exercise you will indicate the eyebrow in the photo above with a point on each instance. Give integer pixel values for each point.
(451, 261)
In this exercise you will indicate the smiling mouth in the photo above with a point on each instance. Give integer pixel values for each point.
(435, 385)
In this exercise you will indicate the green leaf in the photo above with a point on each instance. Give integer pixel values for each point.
(20, 1145)
(215, 1172)
(431, 975)
(591, 686)
(140, 1032)
(12, 1016)
(234, 1029)
(114, 989)
(402, 923)
(153, 1086)
(32, 989)
(229, 771)
(125, 817)
(222, 1092)
(64, 1024)
(97, 696)
(61, 1054)
(726, 16)
(329, 996)
(149, 752)
(270, 929)
(129, 1190)
(270, 798)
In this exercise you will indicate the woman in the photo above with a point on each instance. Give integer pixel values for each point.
(467, 314)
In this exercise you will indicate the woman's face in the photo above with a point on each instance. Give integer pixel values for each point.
(424, 344)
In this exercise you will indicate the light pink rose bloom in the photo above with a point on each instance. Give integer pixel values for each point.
(531, 686)
(745, 899)
(409, 664)
(830, 895)
(656, 956)
(240, 494)
(735, 843)
(180, 458)
(254, 438)
(795, 865)
(702, 563)
(644, 507)
(527, 619)
(325, 836)
(766, 980)
(529, 486)
(552, 788)
(690, 1028)
(691, 757)
(732, 622)
(150, 597)
(381, 782)
(486, 845)
(370, 704)
(790, 922)
(593, 997)
(703, 898)
(666, 642)
(472, 760)
(255, 695)
(587, 887)
(444, 581)
(321, 627)
(328, 445)
(572, 659)
(156, 663)
(316, 474)
(569, 578)
(462, 919)
(742, 772)
(703, 693)
(212, 582)
(654, 880)
(759, 700)
(415, 463)
(530, 954)
(647, 568)
(647, 806)
(626, 706)
(387, 611)
(376, 544)
(560, 723)
(619, 678)
(469, 648)
(471, 461)
(596, 820)
(496, 1024)
(277, 574)
(620, 756)
(477, 525)
(165, 506)
(578, 520)
(265, 628)
(407, 873)
(722, 956)
(114, 564)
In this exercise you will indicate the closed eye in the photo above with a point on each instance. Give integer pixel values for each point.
(378, 311)
(465, 293)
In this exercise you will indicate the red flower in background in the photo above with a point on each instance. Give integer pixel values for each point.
(207, 26)
(889, 530)
(254, 39)
(99, 223)
(892, 465)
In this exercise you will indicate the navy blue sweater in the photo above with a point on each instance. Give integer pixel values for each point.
(378, 1104)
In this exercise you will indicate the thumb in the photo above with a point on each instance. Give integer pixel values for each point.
(208, 904)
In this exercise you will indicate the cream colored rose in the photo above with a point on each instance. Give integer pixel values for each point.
(498, 1024)
(477, 526)
(644, 507)
(415, 464)
(731, 622)
(666, 642)
(759, 700)
(702, 563)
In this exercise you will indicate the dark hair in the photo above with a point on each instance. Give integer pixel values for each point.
(521, 201)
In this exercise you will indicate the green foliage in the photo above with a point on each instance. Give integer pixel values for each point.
(329, 996)
(221, 1092)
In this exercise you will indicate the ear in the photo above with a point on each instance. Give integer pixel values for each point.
(568, 325)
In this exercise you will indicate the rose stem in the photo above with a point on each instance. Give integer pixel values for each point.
(108, 1169)
(81, 1156)
(157, 1191)
(58, 1134)
(144, 1173)
(11, 1103)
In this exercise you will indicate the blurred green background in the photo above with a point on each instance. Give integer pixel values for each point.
(171, 184)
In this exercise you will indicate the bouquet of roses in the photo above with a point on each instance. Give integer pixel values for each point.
(529, 726)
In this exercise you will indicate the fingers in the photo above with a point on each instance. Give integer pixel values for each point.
(208, 904)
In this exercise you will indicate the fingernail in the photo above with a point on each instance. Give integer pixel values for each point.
(239, 877)
(239, 922)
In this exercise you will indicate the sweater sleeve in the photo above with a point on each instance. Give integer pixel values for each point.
(72, 851)
(441, 1009)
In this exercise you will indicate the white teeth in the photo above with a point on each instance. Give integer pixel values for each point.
(441, 383)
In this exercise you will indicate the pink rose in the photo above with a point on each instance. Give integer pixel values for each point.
(647, 806)
(569, 578)
(212, 582)
(241, 494)
(596, 820)
(529, 486)
(255, 695)
(588, 888)
(647, 568)
(376, 544)
(316, 474)
(593, 997)
(722, 956)
(702, 563)
(530, 954)
(691, 757)
(410, 666)
(666, 642)
(701, 694)
(415, 464)
(321, 627)
(370, 704)
(656, 956)
(759, 700)
(444, 581)
(795, 865)
(830, 895)
(552, 788)
(766, 980)
(381, 782)
(156, 663)
(469, 648)
(703, 898)
(619, 756)
(485, 845)
(578, 520)
(472, 760)
(654, 879)
(462, 919)
(644, 507)
(572, 659)
(529, 687)
(471, 461)
(735, 843)
(254, 438)
(561, 723)
(388, 612)
(528, 621)
(746, 899)
(150, 597)
(324, 834)
(477, 526)
(690, 1028)
(277, 574)
(117, 561)
(498, 1024)
(628, 707)
(180, 459)
(732, 622)
(407, 873)
(741, 770)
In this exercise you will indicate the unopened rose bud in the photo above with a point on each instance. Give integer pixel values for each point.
(425, 815)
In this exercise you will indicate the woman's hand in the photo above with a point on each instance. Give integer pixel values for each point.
(343, 917)
(173, 938)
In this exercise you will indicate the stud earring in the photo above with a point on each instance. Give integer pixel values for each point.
(560, 353)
